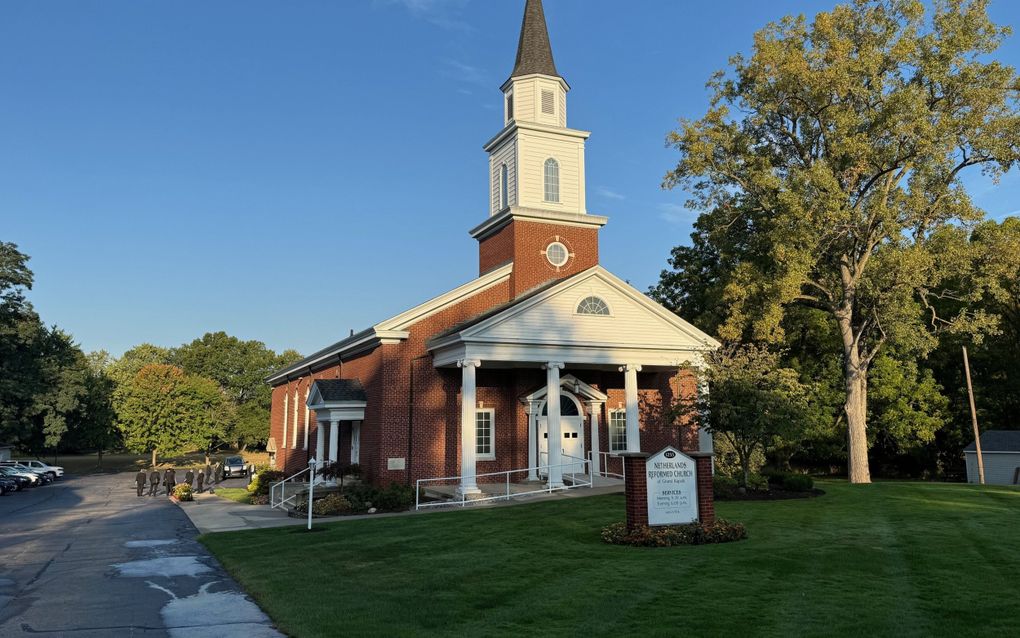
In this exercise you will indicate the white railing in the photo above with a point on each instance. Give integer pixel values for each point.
(283, 499)
(604, 465)
(507, 494)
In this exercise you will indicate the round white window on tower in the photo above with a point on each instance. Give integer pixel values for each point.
(557, 254)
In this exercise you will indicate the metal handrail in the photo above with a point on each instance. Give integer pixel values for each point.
(464, 500)
(283, 501)
(604, 464)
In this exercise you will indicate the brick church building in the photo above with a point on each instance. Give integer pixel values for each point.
(543, 345)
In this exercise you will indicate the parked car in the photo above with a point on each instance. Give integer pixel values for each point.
(36, 464)
(44, 477)
(8, 485)
(234, 466)
(22, 479)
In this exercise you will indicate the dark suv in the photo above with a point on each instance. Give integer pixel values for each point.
(234, 466)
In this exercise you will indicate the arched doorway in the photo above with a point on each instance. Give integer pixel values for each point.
(571, 434)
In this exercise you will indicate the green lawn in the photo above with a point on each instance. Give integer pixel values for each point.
(236, 494)
(888, 559)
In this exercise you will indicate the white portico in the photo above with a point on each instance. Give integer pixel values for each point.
(590, 321)
(337, 401)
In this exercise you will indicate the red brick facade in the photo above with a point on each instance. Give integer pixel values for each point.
(523, 242)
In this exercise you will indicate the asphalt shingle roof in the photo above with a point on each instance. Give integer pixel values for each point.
(997, 441)
(534, 53)
(341, 390)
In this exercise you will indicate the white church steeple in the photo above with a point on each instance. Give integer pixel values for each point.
(536, 162)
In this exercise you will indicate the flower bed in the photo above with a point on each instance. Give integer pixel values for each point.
(670, 535)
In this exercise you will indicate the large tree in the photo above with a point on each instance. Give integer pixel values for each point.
(163, 410)
(829, 171)
(240, 368)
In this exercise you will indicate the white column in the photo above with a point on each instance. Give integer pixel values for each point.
(552, 401)
(532, 411)
(468, 426)
(631, 398)
(334, 438)
(308, 414)
(320, 442)
(705, 442)
(596, 461)
(356, 442)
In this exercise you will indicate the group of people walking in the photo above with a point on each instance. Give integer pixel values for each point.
(205, 478)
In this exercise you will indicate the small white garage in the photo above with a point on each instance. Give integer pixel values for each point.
(1000, 450)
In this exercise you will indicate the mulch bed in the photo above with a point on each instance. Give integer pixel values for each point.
(766, 495)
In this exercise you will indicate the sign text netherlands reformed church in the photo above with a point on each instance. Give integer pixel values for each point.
(672, 481)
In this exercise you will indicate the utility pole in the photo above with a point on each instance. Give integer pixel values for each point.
(973, 419)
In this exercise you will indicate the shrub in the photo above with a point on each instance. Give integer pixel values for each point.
(394, 498)
(264, 480)
(670, 535)
(724, 486)
(260, 499)
(791, 482)
(182, 492)
(798, 483)
(332, 505)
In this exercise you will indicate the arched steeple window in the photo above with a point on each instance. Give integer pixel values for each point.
(552, 180)
(504, 187)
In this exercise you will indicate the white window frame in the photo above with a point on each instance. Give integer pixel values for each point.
(286, 412)
(566, 254)
(577, 306)
(491, 454)
(549, 187)
(294, 434)
(308, 414)
(508, 107)
(620, 425)
(504, 186)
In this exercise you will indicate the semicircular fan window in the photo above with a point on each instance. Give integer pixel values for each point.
(593, 306)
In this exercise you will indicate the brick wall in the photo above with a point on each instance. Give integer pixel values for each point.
(523, 243)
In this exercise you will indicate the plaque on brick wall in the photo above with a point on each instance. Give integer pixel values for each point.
(672, 480)
(395, 463)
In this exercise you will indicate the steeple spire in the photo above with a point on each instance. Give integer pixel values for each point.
(534, 53)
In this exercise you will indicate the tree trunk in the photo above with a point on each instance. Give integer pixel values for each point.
(100, 459)
(855, 376)
(153, 458)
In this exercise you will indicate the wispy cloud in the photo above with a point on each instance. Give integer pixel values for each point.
(608, 193)
(444, 14)
(676, 214)
(463, 72)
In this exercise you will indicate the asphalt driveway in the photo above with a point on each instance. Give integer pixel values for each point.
(86, 557)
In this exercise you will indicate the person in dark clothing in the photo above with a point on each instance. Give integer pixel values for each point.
(140, 480)
(153, 482)
(200, 478)
(189, 477)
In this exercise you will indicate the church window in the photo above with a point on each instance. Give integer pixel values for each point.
(593, 305)
(286, 403)
(548, 103)
(557, 254)
(617, 431)
(567, 407)
(552, 180)
(485, 431)
(509, 107)
(504, 187)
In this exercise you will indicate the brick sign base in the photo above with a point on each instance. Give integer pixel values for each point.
(636, 488)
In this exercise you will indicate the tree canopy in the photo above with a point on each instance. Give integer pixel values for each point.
(828, 172)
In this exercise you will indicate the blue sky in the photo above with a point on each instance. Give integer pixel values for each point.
(289, 171)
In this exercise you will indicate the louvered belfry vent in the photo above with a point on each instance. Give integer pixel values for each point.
(548, 102)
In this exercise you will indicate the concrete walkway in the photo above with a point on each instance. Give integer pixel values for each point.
(211, 513)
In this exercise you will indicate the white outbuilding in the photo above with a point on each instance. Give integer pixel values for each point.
(1000, 451)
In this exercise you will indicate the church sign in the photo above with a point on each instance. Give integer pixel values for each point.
(672, 482)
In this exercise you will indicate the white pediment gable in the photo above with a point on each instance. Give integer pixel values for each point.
(551, 318)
